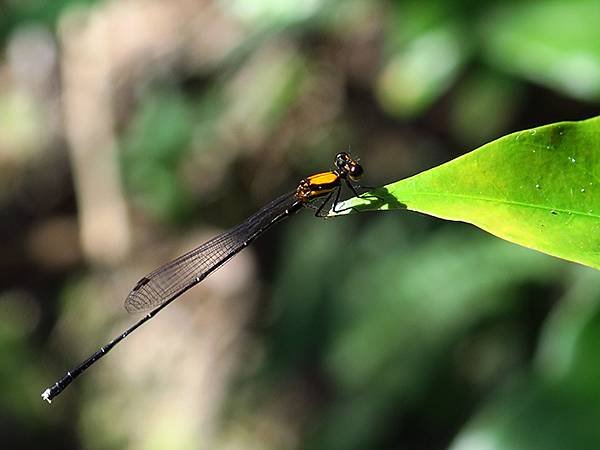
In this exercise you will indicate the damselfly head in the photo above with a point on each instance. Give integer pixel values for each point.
(348, 166)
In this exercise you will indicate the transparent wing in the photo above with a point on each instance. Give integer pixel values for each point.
(174, 278)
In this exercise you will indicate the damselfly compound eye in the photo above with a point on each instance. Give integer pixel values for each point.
(356, 171)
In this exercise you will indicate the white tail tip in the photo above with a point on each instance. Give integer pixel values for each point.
(46, 395)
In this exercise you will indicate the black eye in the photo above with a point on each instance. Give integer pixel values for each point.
(340, 160)
(356, 171)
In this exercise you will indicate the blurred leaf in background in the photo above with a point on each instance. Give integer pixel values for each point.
(554, 405)
(154, 147)
(428, 47)
(23, 13)
(551, 42)
(382, 328)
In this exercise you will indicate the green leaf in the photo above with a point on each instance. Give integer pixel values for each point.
(539, 188)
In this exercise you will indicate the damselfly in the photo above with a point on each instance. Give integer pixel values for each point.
(162, 286)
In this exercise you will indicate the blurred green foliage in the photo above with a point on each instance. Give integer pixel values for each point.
(383, 330)
(23, 13)
(552, 42)
(154, 146)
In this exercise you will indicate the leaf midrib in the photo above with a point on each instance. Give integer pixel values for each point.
(508, 202)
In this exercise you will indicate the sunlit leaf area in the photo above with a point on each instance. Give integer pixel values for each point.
(132, 131)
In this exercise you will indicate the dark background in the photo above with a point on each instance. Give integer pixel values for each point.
(133, 130)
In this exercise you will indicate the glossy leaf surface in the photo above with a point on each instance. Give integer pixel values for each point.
(539, 188)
